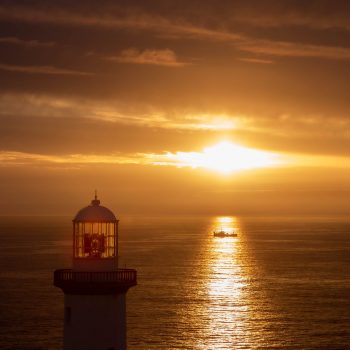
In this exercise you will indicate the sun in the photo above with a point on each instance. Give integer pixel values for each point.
(226, 157)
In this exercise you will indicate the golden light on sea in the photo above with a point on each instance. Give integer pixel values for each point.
(226, 288)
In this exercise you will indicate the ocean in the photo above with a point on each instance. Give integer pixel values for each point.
(283, 283)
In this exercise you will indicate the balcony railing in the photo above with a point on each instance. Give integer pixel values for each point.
(70, 280)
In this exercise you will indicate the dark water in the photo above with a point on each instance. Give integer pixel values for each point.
(282, 284)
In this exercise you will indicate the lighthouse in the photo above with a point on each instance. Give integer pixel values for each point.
(95, 288)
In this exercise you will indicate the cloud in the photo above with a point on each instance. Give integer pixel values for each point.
(51, 70)
(166, 27)
(33, 121)
(205, 159)
(255, 60)
(24, 158)
(165, 57)
(209, 158)
(28, 43)
(112, 111)
(284, 18)
(290, 49)
(125, 20)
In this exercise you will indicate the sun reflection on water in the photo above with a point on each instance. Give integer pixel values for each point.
(226, 284)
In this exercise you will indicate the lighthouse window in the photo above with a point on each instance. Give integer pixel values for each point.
(95, 240)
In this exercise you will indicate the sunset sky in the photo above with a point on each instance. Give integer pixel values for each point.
(175, 107)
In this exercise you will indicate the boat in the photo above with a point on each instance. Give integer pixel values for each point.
(223, 233)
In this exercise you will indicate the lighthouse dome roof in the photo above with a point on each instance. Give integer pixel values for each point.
(95, 213)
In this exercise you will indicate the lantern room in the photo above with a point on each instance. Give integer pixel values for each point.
(95, 288)
(95, 233)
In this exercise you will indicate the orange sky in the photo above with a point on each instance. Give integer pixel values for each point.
(108, 94)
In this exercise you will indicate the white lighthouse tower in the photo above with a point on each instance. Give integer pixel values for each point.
(95, 288)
